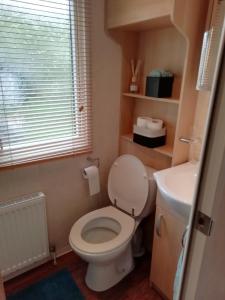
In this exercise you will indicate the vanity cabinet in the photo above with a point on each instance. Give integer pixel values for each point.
(167, 245)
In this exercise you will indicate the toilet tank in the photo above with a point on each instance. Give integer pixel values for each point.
(150, 204)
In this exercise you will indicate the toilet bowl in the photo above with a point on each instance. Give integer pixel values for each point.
(103, 237)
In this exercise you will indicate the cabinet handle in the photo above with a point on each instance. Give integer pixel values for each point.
(157, 225)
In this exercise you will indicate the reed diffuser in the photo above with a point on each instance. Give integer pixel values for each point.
(134, 70)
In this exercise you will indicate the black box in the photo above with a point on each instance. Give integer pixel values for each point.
(148, 137)
(149, 142)
(160, 87)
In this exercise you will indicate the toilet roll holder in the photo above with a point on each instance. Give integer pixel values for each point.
(94, 160)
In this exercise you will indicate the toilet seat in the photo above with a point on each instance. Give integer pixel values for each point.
(126, 222)
(128, 184)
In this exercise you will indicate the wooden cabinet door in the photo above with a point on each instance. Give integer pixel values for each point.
(166, 250)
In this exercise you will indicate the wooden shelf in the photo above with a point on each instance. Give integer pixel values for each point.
(138, 15)
(154, 23)
(173, 45)
(139, 96)
(165, 150)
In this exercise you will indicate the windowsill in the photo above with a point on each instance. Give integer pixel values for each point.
(45, 160)
(45, 151)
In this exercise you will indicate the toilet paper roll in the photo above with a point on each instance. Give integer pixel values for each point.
(92, 175)
(142, 121)
(154, 124)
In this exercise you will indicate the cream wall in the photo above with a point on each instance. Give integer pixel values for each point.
(61, 180)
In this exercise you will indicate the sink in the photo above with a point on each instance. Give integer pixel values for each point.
(177, 186)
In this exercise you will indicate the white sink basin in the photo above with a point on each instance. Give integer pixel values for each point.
(177, 186)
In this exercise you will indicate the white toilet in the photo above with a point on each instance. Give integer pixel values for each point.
(103, 237)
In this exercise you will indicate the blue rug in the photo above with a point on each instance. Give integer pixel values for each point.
(59, 286)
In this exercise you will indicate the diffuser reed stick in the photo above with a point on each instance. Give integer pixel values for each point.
(134, 72)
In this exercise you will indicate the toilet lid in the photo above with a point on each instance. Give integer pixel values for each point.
(128, 184)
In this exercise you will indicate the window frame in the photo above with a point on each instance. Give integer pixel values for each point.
(88, 119)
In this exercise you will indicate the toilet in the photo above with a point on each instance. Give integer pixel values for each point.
(103, 237)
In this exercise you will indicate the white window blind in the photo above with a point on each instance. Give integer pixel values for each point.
(45, 107)
(210, 46)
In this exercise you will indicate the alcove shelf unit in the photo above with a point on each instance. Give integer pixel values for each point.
(164, 34)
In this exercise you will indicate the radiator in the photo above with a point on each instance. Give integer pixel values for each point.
(23, 233)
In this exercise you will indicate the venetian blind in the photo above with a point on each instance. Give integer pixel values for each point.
(210, 46)
(44, 79)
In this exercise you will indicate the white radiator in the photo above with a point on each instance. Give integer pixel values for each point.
(23, 233)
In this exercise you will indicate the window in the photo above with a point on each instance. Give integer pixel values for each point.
(44, 79)
(210, 46)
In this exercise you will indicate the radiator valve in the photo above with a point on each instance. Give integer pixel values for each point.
(52, 250)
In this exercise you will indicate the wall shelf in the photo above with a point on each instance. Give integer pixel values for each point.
(139, 96)
(162, 35)
(165, 150)
(124, 14)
